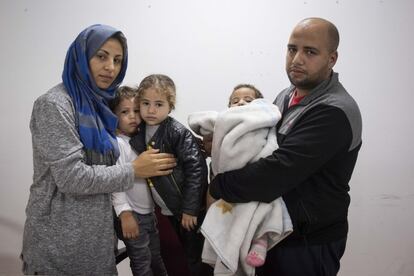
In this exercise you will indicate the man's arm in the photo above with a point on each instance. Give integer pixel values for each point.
(314, 140)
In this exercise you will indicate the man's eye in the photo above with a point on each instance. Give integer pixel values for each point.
(291, 50)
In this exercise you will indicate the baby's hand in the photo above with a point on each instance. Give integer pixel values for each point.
(189, 222)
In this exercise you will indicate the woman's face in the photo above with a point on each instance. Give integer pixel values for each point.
(106, 64)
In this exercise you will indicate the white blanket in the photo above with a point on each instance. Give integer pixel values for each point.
(241, 135)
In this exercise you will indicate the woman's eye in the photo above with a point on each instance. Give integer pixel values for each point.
(100, 56)
(117, 61)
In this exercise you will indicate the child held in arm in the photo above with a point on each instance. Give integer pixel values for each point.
(239, 135)
(181, 195)
(136, 223)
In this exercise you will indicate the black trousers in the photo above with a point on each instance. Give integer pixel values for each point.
(306, 260)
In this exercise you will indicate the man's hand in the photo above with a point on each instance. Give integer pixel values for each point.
(207, 143)
(130, 228)
(152, 163)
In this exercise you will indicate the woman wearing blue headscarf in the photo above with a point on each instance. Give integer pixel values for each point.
(69, 227)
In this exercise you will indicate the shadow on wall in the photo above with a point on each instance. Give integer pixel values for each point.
(10, 265)
(11, 235)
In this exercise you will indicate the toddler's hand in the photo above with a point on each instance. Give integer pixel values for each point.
(189, 222)
(130, 228)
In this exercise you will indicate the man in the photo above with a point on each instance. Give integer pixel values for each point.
(319, 137)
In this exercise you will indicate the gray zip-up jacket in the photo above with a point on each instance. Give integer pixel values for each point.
(69, 226)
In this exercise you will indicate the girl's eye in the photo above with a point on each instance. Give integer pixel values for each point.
(159, 105)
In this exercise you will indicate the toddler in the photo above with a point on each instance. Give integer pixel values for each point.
(135, 208)
(181, 195)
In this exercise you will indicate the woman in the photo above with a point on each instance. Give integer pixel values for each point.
(69, 227)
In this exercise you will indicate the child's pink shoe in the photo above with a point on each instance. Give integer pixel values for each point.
(257, 253)
(254, 259)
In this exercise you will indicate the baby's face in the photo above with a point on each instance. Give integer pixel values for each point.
(242, 96)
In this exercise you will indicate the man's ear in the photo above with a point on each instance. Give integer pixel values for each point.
(332, 59)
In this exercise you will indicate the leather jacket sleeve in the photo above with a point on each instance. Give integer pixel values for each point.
(193, 166)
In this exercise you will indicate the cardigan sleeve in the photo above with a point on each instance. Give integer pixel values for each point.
(317, 137)
(57, 150)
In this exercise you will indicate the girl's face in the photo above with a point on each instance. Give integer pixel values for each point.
(127, 112)
(242, 96)
(154, 107)
(106, 64)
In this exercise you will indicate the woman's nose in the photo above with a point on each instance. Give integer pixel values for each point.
(110, 66)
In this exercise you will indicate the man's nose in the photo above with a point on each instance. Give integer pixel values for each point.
(297, 58)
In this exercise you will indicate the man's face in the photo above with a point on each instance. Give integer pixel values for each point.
(309, 59)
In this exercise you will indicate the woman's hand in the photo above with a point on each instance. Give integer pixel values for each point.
(189, 222)
(130, 228)
(152, 163)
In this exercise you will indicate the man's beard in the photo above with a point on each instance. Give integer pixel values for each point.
(305, 84)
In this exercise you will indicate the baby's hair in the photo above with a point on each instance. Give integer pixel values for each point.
(163, 84)
(257, 93)
(123, 92)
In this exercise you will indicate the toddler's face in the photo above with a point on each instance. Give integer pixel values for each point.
(242, 96)
(154, 107)
(128, 116)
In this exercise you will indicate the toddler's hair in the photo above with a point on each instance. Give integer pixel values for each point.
(257, 93)
(163, 84)
(123, 92)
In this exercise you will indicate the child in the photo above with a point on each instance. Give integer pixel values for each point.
(181, 195)
(243, 94)
(135, 207)
(241, 134)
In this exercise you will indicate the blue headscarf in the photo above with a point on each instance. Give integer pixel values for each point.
(97, 123)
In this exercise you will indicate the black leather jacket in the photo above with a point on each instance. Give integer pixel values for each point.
(184, 190)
